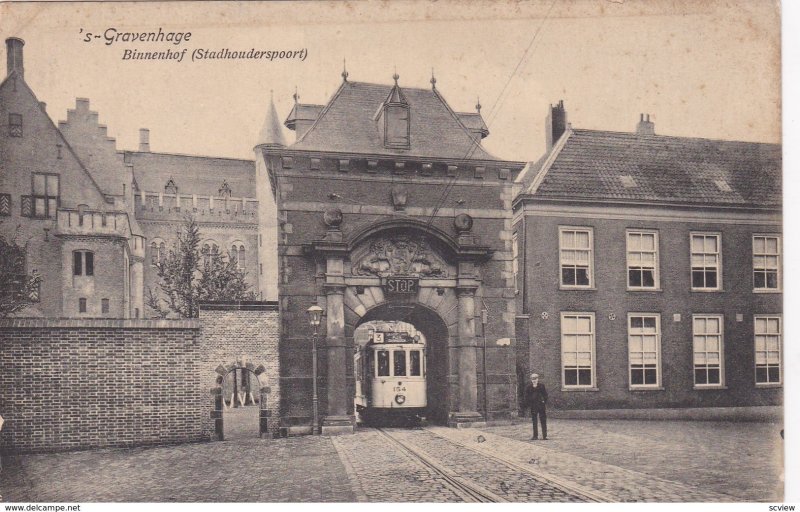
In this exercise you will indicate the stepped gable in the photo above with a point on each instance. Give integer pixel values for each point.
(200, 175)
(98, 152)
(347, 125)
(615, 166)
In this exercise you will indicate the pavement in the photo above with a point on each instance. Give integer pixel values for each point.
(583, 460)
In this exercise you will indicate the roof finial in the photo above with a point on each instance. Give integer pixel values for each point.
(395, 76)
(478, 105)
(433, 80)
(345, 74)
(295, 95)
(271, 95)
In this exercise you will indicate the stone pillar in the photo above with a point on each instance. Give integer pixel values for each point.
(137, 287)
(466, 410)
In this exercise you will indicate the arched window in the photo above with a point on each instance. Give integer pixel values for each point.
(158, 251)
(210, 250)
(237, 255)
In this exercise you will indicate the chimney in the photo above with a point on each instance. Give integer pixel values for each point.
(43, 106)
(555, 124)
(144, 140)
(645, 127)
(14, 52)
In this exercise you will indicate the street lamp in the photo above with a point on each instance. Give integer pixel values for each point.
(314, 319)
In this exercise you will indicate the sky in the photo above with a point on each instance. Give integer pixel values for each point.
(699, 68)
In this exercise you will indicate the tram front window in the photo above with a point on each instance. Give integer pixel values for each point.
(383, 363)
(416, 363)
(399, 363)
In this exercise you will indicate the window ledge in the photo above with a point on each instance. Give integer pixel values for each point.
(703, 388)
(766, 290)
(572, 389)
(768, 385)
(645, 290)
(707, 290)
(637, 389)
(578, 288)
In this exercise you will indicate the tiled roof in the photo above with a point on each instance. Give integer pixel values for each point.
(347, 125)
(601, 165)
(201, 175)
(271, 132)
(473, 121)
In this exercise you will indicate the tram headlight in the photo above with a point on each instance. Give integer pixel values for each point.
(400, 399)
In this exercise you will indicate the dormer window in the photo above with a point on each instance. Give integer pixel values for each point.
(170, 187)
(395, 119)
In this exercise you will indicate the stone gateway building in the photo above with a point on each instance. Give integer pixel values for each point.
(388, 182)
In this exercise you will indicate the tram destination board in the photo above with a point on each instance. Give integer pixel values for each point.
(402, 285)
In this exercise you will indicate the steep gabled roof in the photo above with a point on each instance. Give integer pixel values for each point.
(614, 166)
(201, 175)
(347, 125)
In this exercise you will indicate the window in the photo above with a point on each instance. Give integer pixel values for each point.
(383, 363)
(397, 126)
(399, 363)
(15, 125)
(82, 263)
(766, 262)
(81, 305)
(210, 251)
(707, 334)
(237, 255)
(575, 248)
(158, 251)
(642, 260)
(577, 349)
(45, 195)
(515, 258)
(416, 363)
(104, 304)
(706, 261)
(644, 342)
(768, 349)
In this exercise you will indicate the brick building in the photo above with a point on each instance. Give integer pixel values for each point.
(648, 269)
(94, 219)
(386, 181)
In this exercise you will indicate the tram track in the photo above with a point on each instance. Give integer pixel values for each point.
(469, 491)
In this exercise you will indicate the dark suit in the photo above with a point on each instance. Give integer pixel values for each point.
(536, 400)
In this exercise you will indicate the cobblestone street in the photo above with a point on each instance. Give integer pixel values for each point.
(584, 460)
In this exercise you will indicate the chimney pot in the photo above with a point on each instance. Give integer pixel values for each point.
(645, 127)
(14, 53)
(144, 139)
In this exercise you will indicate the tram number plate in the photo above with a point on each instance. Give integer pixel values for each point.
(402, 285)
(399, 388)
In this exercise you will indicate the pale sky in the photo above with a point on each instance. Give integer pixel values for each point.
(699, 68)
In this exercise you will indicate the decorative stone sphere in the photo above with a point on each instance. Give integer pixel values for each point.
(462, 222)
(332, 217)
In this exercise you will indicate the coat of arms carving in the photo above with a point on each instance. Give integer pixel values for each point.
(400, 256)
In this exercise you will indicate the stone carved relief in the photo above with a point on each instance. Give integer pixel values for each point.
(400, 255)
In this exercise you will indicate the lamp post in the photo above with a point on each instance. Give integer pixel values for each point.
(314, 319)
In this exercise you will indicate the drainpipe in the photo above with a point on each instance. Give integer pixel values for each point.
(484, 321)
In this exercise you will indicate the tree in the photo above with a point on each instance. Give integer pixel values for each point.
(18, 289)
(187, 276)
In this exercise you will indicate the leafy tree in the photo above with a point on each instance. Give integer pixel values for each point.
(18, 289)
(187, 276)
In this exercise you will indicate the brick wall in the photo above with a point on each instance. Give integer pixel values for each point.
(243, 335)
(72, 384)
(610, 301)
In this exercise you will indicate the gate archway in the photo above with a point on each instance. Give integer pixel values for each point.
(218, 399)
(437, 335)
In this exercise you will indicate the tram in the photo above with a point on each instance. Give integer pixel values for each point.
(390, 378)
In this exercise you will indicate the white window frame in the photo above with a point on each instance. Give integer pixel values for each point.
(561, 262)
(765, 267)
(721, 335)
(593, 337)
(656, 258)
(706, 234)
(766, 350)
(631, 335)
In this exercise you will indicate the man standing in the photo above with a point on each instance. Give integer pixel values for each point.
(536, 399)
